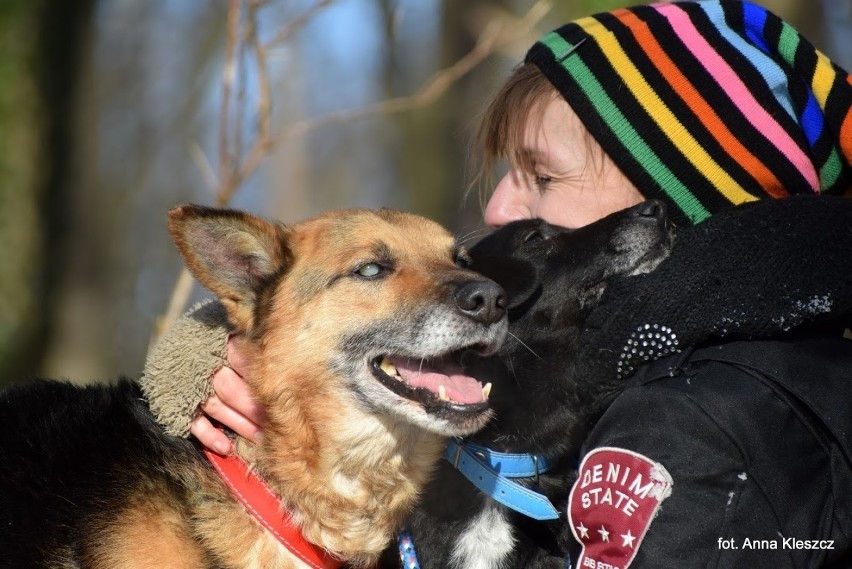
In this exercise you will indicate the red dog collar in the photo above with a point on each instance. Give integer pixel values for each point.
(263, 503)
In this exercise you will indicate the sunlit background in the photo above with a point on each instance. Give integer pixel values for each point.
(111, 112)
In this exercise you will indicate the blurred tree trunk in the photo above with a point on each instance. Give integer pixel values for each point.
(448, 151)
(425, 158)
(40, 47)
(434, 167)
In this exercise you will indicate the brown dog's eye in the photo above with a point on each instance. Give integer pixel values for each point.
(370, 270)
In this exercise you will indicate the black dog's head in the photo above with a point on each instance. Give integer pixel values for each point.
(537, 401)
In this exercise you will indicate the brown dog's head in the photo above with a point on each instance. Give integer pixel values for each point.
(371, 308)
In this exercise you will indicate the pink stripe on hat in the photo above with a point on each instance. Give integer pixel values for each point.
(738, 92)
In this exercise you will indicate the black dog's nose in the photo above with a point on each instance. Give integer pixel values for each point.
(654, 209)
(484, 301)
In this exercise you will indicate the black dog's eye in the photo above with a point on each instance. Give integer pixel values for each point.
(371, 271)
(534, 236)
(463, 261)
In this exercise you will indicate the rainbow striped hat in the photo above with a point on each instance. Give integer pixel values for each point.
(706, 104)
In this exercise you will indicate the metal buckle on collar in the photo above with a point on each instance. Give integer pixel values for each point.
(456, 456)
(535, 464)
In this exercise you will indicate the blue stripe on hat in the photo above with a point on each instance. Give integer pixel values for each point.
(813, 122)
(754, 19)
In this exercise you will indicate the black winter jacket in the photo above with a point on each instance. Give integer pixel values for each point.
(756, 437)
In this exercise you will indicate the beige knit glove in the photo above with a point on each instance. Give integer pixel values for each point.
(179, 368)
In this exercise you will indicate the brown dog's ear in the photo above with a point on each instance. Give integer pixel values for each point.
(232, 253)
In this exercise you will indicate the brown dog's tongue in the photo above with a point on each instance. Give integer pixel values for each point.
(458, 387)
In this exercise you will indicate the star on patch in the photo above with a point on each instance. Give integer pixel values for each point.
(604, 534)
(584, 531)
(628, 539)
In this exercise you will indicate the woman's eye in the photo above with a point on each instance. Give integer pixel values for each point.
(370, 270)
(541, 182)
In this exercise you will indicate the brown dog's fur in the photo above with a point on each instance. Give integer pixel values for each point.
(347, 454)
(350, 476)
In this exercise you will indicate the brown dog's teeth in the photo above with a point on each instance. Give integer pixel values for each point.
(442, 393)
(486, 392)
(387, 367)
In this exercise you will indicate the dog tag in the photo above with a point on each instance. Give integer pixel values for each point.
(612, 505)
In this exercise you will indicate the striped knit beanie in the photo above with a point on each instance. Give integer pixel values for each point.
(706, 104)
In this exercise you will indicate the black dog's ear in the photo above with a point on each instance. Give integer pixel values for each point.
(519, 278)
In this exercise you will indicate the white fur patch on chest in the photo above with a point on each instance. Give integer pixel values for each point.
(486, 541)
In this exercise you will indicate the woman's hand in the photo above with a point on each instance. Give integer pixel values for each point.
(231, 404)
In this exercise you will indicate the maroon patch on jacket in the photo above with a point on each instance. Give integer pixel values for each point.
(612, 505)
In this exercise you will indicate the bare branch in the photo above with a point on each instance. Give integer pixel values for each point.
(296, 24)
(234, 166)
(239, 112)
(494, 37)
(261, 145)
(264, 105)
(228, 77)
(178, 301)
(204, 166)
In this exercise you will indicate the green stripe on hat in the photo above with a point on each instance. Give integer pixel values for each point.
(788, 43)
(830, 172)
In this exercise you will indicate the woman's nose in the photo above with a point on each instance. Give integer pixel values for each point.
(509, 202)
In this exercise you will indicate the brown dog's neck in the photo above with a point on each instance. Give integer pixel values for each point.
(349, 491)
(256, 496)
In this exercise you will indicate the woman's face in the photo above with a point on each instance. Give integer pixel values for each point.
(573, 184)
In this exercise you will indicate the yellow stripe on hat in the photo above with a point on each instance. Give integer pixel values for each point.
(663, 116)
(824, 76)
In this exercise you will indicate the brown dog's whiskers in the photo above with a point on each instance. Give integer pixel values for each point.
(462, 239)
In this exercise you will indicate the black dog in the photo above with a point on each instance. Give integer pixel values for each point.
(541, 409)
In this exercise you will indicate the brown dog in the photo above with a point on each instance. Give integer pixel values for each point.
(352, 324)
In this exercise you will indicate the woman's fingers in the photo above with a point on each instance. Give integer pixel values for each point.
(230, 398)
(209, 436)
(235, 358)
(232, 405)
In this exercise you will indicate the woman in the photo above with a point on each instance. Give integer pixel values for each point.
(705, 105)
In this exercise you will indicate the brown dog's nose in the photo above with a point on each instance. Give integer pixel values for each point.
(484, 301)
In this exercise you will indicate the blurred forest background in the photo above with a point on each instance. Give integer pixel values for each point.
(114, 111)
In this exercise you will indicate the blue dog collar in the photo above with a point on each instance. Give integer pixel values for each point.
(491, 473)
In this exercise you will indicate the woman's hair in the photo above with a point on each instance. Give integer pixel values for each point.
(520, 103)
(500, 134)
